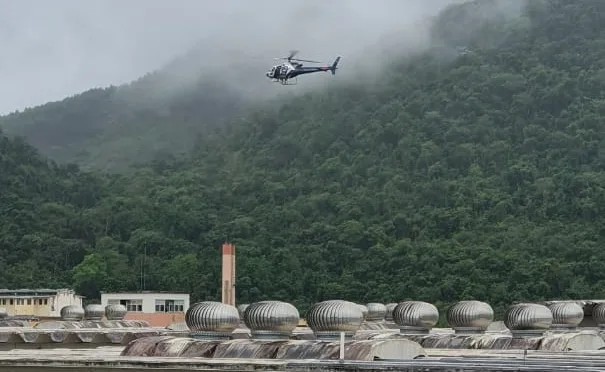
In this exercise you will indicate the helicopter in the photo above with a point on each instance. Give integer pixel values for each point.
(288, 70)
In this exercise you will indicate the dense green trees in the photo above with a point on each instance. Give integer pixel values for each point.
(116, 127)
(475, 171)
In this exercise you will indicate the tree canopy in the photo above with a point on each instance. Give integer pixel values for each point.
(475, 171)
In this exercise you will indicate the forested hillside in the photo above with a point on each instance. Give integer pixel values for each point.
(113, 128)
(42, 230)
(478, 175)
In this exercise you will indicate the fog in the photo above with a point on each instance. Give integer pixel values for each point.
(54, 49)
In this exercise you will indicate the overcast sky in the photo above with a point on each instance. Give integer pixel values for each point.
(53, 49)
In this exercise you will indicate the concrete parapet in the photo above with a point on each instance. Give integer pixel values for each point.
(580, 339)
(441, 360)
(447, 339)
(401, 349)
(197, 358)
(13, 323)
(248, 349)
(19, 338)
(368, 350)
(583, 340)
(95, 324)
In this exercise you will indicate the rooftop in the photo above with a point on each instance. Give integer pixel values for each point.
(104, 358)
(380, 344)
(145, 292)
(35, 292)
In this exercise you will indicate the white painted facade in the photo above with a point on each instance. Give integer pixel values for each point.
(148, 302)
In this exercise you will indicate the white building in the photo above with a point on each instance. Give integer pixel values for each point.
(148, 302)
(37, 302)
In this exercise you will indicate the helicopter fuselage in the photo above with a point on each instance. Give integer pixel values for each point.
(288, 70)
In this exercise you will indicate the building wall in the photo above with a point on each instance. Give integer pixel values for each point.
(162, 320)
(146, 301)
(26, 305)
(39, 305)
(62, 299)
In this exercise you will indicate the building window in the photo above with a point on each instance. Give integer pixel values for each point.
(46, 301)
(132, 305)
(29, 301)
(169, 306)
(11, 301)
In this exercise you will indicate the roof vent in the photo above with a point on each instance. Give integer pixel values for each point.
(528, 319)
(468, 317)
(364, 311)
(211, 320)
(115, 312)
(328, 319)
(415, 317)
(598, 314)
(241, 308)
(376, 312)
(72, 313)
(566, 315)
(388, 316)
(271, 319)
(94, 312)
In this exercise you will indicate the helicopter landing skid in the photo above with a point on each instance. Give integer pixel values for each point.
(293, 81)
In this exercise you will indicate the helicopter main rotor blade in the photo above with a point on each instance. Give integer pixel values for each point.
(292, 54)
(304, 60)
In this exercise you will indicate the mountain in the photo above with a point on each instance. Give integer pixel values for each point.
(41, 231)
(475, 170)
(115, 127)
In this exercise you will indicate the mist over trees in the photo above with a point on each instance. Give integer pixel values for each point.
(475, 170)
(224, 49)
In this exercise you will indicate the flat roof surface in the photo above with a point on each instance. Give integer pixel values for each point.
(39, 290)
(438, 360)
(99, 352)
(144, 292)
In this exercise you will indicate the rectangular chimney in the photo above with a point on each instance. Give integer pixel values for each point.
(228, 280)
